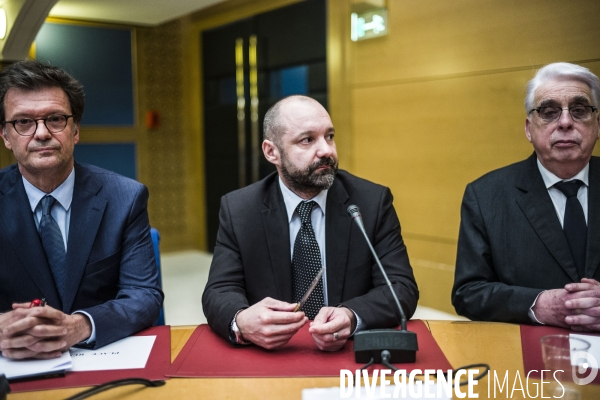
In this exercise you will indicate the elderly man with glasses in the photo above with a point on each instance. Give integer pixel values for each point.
(74, 235)
(529, 242)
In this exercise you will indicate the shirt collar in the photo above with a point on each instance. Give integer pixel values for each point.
(63, 194)
(292, 200)
(550, 179)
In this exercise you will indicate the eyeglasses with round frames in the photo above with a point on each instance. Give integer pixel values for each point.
(552, 114)
(27, 126)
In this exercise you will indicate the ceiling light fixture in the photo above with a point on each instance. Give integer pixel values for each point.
(2, 23)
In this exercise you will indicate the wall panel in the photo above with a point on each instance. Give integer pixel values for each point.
(432, 38)
(6, 157)
(100, 58)
(433, 262)
(429, 139)
(167, 154)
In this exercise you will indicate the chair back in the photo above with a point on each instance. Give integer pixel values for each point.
(156, 244)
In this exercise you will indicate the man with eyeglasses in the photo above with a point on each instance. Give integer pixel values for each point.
(74, 235)
(529, 241)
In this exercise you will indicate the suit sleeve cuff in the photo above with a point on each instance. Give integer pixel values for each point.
(360, 325)
(92, 339)
(232, 336)
(532, 314)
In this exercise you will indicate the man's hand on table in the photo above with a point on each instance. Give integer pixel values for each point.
(40, 332)
(270, 323)
(332, 327)
(550, 308)
(583, 302)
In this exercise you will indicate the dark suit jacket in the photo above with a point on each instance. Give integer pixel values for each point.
(511, 245)
(111, 271)
(252, 257)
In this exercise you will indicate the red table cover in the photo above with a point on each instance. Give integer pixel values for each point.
(532, 348)
(158, 362)
(208, 355)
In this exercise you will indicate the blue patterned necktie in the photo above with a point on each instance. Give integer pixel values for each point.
(306, 262)
(52, 241)
(574, 224)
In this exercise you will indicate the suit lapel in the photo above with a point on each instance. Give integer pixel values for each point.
(537, 206)
(277, 232)
(337, 240)
(87, 210)
(17, 225)
(593, 239)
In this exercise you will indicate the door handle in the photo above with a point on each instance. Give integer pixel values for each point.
(241, 112)
(254, 107)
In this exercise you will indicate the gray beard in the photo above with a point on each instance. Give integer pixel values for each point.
(307, 180)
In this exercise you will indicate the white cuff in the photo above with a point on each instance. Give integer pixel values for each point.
(532, 314)
(92, 338)
(360, 325)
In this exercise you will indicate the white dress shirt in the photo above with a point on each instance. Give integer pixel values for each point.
(560, 203)
(61, 212)
(317, 215)
(558, 198)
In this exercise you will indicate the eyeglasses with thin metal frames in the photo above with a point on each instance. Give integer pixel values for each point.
(578, 113)
(55, 123)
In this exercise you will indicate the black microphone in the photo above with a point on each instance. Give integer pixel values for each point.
(4, 387)
(373, 345)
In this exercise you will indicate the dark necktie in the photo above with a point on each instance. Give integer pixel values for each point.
(574, 225)
(53, 243)
(306, 262)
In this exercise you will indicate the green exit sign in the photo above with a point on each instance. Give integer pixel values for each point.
(369, 24)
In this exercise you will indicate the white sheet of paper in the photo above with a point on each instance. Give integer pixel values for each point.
(594, 349)
(129, 353)
(374, 393)
(25, 368)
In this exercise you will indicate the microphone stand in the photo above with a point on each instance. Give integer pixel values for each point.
(383, 346)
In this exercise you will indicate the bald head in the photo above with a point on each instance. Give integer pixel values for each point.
(274, 125)
(299, 141)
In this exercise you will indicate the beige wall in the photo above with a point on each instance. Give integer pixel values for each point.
(170, 156)
(6, 157)
(439, 101)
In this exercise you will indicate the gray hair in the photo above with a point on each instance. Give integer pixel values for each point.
(562, 70)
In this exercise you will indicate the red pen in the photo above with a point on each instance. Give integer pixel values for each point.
(37, 303)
